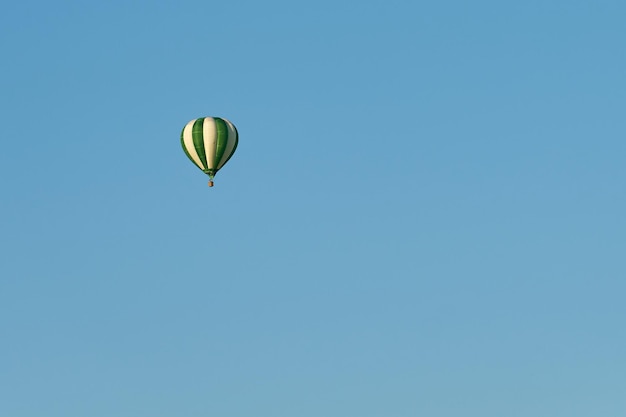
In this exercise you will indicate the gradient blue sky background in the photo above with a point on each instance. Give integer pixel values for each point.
(424, 217)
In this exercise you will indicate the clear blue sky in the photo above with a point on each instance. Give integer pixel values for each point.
(424, 217)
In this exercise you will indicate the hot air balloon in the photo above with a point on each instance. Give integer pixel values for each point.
(209, 142)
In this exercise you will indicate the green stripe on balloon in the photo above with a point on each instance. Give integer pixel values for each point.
(198, 141)
(182, 142)
(233, 140)
(222, 141)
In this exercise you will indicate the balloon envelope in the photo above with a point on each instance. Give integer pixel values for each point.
(209, 142)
